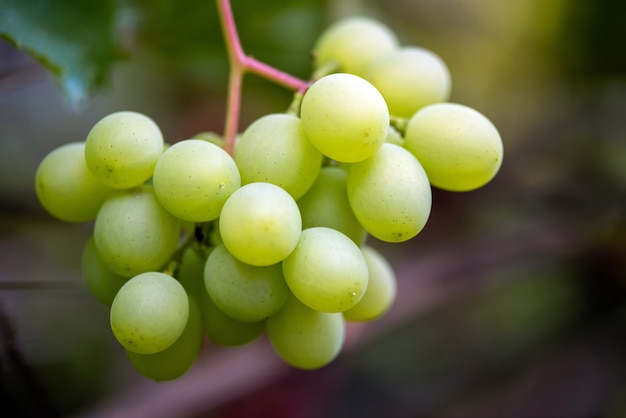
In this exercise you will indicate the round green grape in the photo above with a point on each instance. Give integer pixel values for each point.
(381, 288)
(176, 359)
(459, 148)
(390, 194)
(149, 313)
(354, 44)
(66, 188)
(409, 79)
(134, 234)
(193, 178)
(306, 338)
(102, 282)
(326, 204)
(122, 149)
(344, 117)
(260, 224)
(326, 271)
(274, 149)
(224, 330)
(244, 292)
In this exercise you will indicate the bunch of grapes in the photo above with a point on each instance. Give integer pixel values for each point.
(190, 240)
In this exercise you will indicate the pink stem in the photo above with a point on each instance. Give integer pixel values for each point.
(240, 63)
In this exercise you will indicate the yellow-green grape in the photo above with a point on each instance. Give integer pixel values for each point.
(381, 288)
(193, 178)
(149, 313)
(134, 234)
(459, 148)
(354, 43)
(260, 224)
(344, 117)
(274, 149)
(306, 338)
(409, 79)
(326, 271)
(244, 292)
(101, 282)
(177, 359)
(66, 188)
(394, 137)
(390, 194)
(122, 149)
(326, 204)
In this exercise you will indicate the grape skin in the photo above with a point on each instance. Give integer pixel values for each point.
(344, 117)
(354, 43)
(326, 271)
(122, 149)
(390, 194)
(459, 148)
(193, 178)
(149, 313)
(66, 188)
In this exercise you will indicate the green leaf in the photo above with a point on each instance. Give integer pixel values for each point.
(73, 39)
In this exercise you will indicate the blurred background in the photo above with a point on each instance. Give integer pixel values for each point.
(512, 301)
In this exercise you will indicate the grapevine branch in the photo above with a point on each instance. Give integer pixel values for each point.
(240, 64)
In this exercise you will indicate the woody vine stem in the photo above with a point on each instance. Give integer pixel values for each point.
(240, 64)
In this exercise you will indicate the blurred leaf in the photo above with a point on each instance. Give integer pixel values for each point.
(73, 39)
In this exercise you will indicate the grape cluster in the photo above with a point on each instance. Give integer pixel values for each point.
(189, 240)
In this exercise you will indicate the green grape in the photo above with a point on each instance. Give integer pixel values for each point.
(122, 149)
(409, 79)
(274, 149)
(149, 313)
(390, 194)
(306, 338)
(134, 234)
(102, 282)
(224, 330)
(394, 137)
(459, 148)
(66, 188)
(193, 178)
(326, 204)
(176, 359)
(260, 224)
(354, 43)
(381, 288)
(344, 117)
(191, 271)
(326, 271)
(244, 292)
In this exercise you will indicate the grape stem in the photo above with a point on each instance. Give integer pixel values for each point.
(240, 64)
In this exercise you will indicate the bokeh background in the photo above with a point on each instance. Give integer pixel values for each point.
(512, 301)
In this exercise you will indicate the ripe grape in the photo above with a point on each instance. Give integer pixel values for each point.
(344, 117)
(381, 288)
(149, 313)
(354, 43)
(326, 271)
(122, 149)
(101, 281)
(260, 224)
(224, 330)
(193, 178)
(172, 362)
(244, 292)
(459, 148)
(274, 149)
(410, 78)
(390, 194)
(306, 338)
(326, 204)
(134, 234)
(66, 188)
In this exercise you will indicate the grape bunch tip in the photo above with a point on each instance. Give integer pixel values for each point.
(190, 241)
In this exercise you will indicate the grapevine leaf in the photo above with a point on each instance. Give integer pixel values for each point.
(73, 39)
